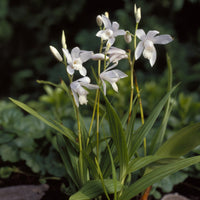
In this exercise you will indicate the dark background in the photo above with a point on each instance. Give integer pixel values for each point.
(27, 28)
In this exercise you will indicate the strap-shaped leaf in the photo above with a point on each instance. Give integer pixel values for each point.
(118, 136)
(94, 188)
(68, 133)
(142, 132)
(155, 176)
(181, 142)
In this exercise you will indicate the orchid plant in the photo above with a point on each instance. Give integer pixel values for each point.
(100, 164)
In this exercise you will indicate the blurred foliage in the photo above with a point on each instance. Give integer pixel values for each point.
(26, 141)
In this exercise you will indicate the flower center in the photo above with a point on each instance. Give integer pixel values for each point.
(77, 64)
(107, 34)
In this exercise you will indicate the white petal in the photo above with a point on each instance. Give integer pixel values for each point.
(91, 86)
(151, 34)
(139, 49)
(99, 33)
(85, 79)
(115, 26)
(111, 41)
(83, 71)
(119, 32)
(86, 55)
(140, 34)
(106, 22)
(162, 39)
(104, 87)
(75, 53)
(114, 86)
(67, 55)
(153, 57)
(111, 67)
(120, 73)
(70, 70)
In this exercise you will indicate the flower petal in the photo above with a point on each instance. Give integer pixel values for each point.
(85, 79)
(104, 87)
(99, 33)
(162, 39)
(106, 22)
(151, 34)
(75, 53)
(119, 32)
(139, 49)
(115, 26)
(153, 57)
(140, 34)
(67, 55)
(83, 71)
(111, 41)
(114, 86)
(70, 70)
(85, 56)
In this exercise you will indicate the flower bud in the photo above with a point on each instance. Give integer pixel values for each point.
(127, 37)
(137, 12)
(99, 56)
(99, 20)
(56, 54)
(63, 40)
(107, 14)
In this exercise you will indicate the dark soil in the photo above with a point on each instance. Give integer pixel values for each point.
(190, 188)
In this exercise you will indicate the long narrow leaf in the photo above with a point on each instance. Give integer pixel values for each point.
(138, 137)
(181, 142)
(69, 134)
(118, 136)
(155, 176)
(94, 188)
(69, 157)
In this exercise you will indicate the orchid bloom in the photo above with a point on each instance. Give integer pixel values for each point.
(146, 45)
(76, 59)
(115, 54)
(112, 77)
(111, 31)
(79, 92)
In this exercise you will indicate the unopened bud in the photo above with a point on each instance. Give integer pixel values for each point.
(127, 37)
(56, 54)
(63, 40)
(99, 56)
(137, 12)
(107, 14)
(99, 20)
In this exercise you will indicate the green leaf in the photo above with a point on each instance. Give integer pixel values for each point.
(181, 142)
(156, 175)
(94, 188)
(141, 133)
(37, 115)
(69, 157)
(118, 136)
(5, 172)
(9, 152)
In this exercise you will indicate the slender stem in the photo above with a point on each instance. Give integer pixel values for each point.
(141, 111)
(131, 63)
(98, 100)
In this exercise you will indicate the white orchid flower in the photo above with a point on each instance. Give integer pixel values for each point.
(79, 92)
(115, 54)
(111, 31)
(76, 59)
(112, 77)
(146, 45)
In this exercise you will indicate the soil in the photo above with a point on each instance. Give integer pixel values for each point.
(190, 188)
